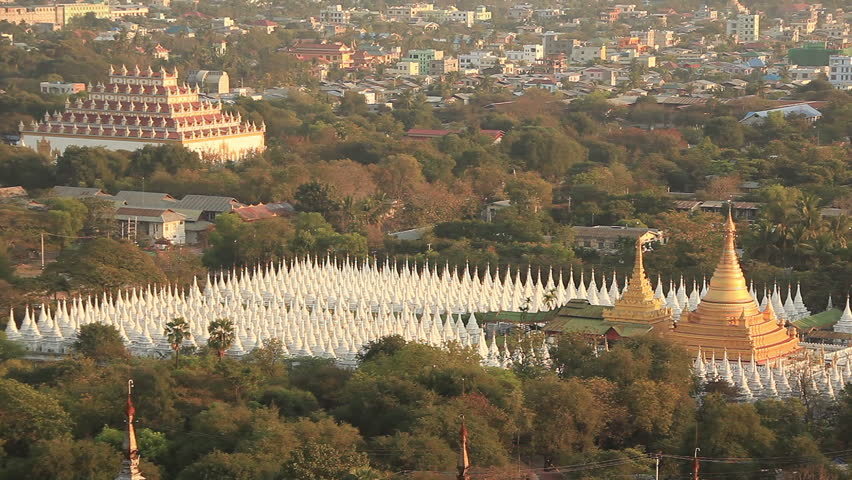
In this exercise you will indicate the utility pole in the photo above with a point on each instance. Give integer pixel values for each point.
(657, 467)
(42, 249)
(695, 465)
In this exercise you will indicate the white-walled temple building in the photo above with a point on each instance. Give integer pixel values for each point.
(145, 107)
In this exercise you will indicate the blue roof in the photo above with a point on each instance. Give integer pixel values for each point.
(755, 63)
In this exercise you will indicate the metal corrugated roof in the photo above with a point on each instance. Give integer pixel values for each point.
(820, 320)
(208, 203)
(66, 191)
(156, 215)
(146, 199)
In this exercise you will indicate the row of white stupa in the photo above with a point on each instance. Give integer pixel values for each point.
(331, 309)
(776, 379)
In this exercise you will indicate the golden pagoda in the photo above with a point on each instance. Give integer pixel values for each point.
(729, 318)
(638, 304)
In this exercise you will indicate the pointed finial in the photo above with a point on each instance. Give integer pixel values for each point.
(464, 459)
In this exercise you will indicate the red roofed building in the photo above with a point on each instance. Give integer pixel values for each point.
(334, 53)
(161, 52)
(265, 25)
(252, 213)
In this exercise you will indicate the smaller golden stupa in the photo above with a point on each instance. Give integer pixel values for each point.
(729, 318)
(638, 304)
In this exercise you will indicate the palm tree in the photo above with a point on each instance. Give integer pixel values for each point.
(763, 243)
(177, 331)
(221, 335)
(840, 229)
(811, 215)
(550, 298)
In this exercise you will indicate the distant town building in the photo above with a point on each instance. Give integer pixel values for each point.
(587, 53)
(840, 71)
(335, 14)
(803, 110)
(744, 27)
(61, 88)
(58, 14)
(423, 58)
(605, 238)
(155, 223)
(209, 81)
(336, 53)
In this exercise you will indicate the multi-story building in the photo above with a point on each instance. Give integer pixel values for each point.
(66, 11)
(405, 67)
(529, 54)
(478, 59)
(481, 14)
(804, 73)
(30, 15)
(554, 45)
(335, 14)
(336, 53)
(587, 53)
(744, 28)
(128, 10)
(145, 107)
(610, 15)
(58, 14)
(407, 13)
(520, 12)
(443, 66)
(705, 13)
(424, 57)
(840, 71)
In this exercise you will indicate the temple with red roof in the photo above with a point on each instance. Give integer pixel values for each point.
(145, 107)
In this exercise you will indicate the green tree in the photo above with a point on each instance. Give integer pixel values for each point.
(100, 342)
(570, 429)
(221, 336)
(90, 167)
(725, 132)
(105, 264)
(67, 218)
(170, 158)
(529, 192)
(152, 444)
(544, 150)
(176, 331)
(316, 197)
(69, 459)
(353, 104)
(388, 345)
(27, 415)
(318, 461)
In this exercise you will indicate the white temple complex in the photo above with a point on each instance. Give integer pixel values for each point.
(145, 107)
(331, 309)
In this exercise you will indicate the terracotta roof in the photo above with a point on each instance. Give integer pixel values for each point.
(252, 213)
(12, 192)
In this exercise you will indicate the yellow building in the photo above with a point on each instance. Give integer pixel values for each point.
(66, 11)
(728, 318)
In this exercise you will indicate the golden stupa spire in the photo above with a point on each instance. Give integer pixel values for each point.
(728, 317)
(638, 304)
(728, 284)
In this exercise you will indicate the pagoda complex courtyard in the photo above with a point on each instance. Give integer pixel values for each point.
(331, 309)
(142, 107)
